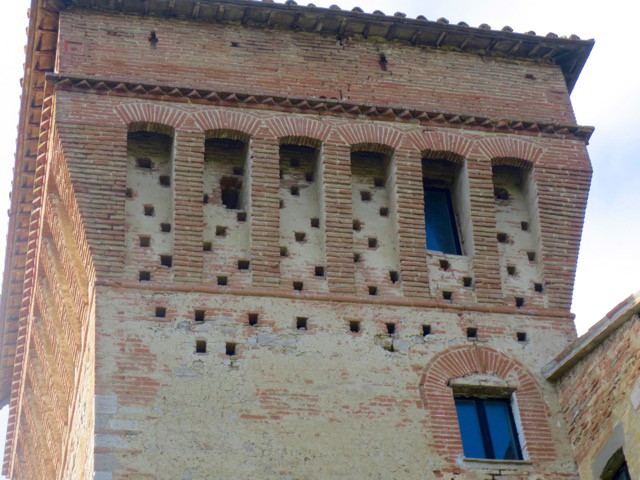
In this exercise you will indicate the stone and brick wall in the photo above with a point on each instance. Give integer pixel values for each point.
(263, 304)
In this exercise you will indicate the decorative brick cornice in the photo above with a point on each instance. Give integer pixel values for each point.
(320, 106)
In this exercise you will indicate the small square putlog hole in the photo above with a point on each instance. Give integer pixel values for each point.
(502, 237)
(531, 256)
(472, 333)
(302, 323)
(373, 290)
(373, 242)
(354, 326)
(230, 348)
(205, 199)
(144, 162)
(524, 226)
(365, 196)
(199, 315)
(309, 177)
(284, 252)
(223, 281)
(161, 312)
(298, 286)
(467, 282)
(145, 241)
(166, 260)
(281, 205)
(145, 276)
(319, 271)
(242, 216)
(394, 276)
(128, 193)
(446, 295)
(378, 182)
(149, 210)
(295, 190)
(165, 227)
(521, 336)
(300, 236)
(315, 222)
(201, 346)
(391, 328)
(538, 287)
(244, 264)
(165, 180)
(384, 212)
(511, 270)
(426, 330)
(253, 319)
(356, 257)
(519, 302)
(444, 265)
(221, 231)
(207, 246)
(356, 225)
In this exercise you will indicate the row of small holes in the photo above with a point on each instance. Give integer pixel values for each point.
(229, 347)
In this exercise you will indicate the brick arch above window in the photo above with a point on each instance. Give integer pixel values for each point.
(506, 147)
(435, 141)
(467, 361)
(151, 113)
(298, 131)
(228, 134)
(227, 120)
(512, 162)
(370, 135)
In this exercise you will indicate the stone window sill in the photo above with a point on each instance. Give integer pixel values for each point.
(492, 463)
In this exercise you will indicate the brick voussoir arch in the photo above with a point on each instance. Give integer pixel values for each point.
(370, 135)
(463, 361)
(516, 152)
(225, 120)
(151, 113)
(437, 141)
(298, 130)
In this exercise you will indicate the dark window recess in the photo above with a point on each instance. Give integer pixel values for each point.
(230, 348)
(230, 188)
(301, 323)
(354, 326)
(144, 162)
(622, 473)
(244, 264)
(440, 221)
(201, 346)
(501, 193)
(294, 163)
(165, 180)
(426, 330)
(198, 315)
(165, 227)
(166, 260)
(253, 319)
(487, 428)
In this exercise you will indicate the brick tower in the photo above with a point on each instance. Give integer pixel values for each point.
(269, 241)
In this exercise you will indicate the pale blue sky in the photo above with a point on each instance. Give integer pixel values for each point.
(605, 96)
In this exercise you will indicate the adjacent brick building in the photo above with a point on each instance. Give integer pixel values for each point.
(217, 264)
